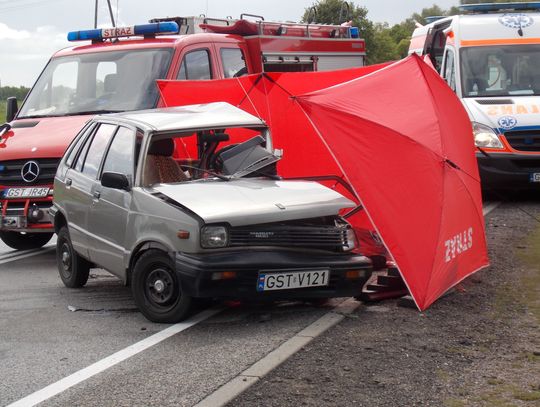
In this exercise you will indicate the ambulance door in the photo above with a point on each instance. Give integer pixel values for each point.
(449, 69)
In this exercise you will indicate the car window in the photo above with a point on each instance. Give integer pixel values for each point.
(195, 66)
(97, 148)
(233, 61)
(82, 154)
(76, 145)
(120, 155)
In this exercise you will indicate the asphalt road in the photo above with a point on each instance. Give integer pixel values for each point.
(42, 341)
(49, 332)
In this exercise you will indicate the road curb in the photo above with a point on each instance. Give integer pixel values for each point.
(254, 373)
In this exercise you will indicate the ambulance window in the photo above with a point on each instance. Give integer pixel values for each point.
(97, 147)
(450, 69)
(120, 155)
(234, 63)
(195, 66)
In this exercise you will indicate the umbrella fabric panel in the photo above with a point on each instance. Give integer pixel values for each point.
(393, 177)
(408, 151)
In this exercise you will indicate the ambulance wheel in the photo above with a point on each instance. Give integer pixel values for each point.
(25, 241)
(73, 269)
(157, 290)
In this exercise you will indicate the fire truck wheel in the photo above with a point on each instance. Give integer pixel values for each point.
(73, 268)
(157, 290)
(25, 241)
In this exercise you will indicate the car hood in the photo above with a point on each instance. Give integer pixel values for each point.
(253, 201)
(504, 113)
(46, 137)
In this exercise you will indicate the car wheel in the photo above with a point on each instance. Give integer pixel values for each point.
(157, 290)
(25, 241)
(73, 268)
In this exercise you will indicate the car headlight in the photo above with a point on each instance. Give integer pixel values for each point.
(351, 240)
(213, 237)
(485, 136)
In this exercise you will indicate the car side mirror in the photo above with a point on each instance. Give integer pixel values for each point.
(11, 109)
(115, 180)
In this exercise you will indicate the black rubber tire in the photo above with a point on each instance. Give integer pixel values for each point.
(166, 304)
(25, 241)
(73, 269)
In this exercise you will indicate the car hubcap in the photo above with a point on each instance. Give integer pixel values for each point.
(66, 258)
(160, 287)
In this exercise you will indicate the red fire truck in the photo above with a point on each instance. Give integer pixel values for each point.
(116, 71)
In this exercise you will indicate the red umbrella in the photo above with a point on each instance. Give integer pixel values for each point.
(407, 148)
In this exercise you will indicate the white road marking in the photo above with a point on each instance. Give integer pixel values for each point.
(254, 373)
(104, 364)
(14, 253)
(24, 256)
(488, 207)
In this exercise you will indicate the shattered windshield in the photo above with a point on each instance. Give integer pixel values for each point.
(509, 70)
(209, 154)
(98, 82)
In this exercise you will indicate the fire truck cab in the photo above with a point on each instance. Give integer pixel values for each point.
(116, 70)
(490, 56)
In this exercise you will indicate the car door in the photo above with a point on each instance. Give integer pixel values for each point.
(71, 191)
(110, 207)
(83, 177)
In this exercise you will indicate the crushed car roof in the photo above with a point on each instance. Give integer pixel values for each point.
(209, 115)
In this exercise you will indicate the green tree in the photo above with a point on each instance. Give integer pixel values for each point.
(8, 91)
(338, 12)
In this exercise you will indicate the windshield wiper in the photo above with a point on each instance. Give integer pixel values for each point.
(36, 116)
(103, 111)
(221, 177)
(41, 116)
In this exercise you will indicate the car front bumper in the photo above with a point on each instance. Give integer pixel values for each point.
(509, 171)
(196, 272)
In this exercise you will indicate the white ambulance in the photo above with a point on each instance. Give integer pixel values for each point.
(490, 56)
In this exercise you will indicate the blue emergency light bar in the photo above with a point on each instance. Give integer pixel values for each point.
(432, 19)
(168, 27)
(492, 7)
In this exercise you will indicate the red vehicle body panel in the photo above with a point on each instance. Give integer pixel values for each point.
(48, 138)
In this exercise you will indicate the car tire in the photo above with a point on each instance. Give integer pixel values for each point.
(157, 290)
(25, 241)
(73, 268)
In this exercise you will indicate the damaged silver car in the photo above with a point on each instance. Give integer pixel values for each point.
(185, 203)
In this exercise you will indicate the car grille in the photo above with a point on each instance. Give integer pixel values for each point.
(524, 140)
(10, 171)
(317, 237)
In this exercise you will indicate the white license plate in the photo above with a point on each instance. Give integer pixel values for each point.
(14, 193)
(286, 280)
(534, 177)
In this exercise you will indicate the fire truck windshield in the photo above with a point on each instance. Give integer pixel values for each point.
(98, 82)
(502, 70)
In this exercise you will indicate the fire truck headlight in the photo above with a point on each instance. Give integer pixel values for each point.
(485, 137)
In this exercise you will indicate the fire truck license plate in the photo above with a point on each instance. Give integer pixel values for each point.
(535, 177)
(14, 193)
(287, 280)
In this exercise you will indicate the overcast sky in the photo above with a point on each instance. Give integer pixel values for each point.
(31, 30)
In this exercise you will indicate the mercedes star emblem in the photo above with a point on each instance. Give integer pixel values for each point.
(30, 171)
